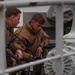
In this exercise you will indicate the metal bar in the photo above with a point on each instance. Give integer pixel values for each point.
(36, 62)
(70, 47)
(24, 3)
(31, 64)
(69, 54)
(59, 39)
(2, 42)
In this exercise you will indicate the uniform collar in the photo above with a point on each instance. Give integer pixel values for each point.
(29, 28)
(7, 26)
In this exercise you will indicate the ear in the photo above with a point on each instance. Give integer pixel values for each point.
(12, 17)
(32, 21)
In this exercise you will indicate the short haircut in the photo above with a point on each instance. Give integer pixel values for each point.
(38, 17)
(12, 11)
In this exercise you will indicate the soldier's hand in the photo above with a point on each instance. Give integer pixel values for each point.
(38, 51)
(19, 53)
(14, 62)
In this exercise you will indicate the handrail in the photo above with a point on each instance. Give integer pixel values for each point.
(36, 62)
(24, 3)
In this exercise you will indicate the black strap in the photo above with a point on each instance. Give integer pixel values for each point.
(16, 36)
(12, 55)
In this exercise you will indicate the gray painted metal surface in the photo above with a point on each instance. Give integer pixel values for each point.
(24, 3)
(2, 42)
(59, 38)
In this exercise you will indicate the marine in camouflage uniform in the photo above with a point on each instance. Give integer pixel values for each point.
(30, 40)
(12, 19)
(8, 34)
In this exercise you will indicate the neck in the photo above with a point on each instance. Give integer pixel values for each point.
(8, 22)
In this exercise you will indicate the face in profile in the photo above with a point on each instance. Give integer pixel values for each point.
(15, 20)
(36, 26)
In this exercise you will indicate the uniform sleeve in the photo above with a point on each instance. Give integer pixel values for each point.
(18, 44)
(21, 44)
(44, 40)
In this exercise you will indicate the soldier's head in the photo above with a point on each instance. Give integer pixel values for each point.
(37, 21)
(12, 16)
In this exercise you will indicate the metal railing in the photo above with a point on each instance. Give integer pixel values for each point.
(59, 34)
